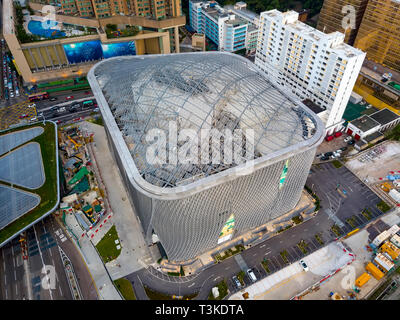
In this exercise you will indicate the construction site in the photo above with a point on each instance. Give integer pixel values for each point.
(82, 196)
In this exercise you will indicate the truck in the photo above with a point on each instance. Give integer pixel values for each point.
(363, 279)
(395, 195)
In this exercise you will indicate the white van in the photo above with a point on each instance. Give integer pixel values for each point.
(251, 275)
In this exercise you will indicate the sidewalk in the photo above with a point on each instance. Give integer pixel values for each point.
(135, 254)
(104, 285)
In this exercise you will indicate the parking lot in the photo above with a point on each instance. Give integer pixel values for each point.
(293, 278)
(12, 115)
(332, 146)
(377, 162)
(343, 196)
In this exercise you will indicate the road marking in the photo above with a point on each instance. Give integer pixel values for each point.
(280, 241)
(41, 257)
(217, 278)
(267, 253)
(293, 235)
(15, 275)
(5, 280)
(6, 294)
(189, 286)
(227, 268)
(305, 229)
(16, 289)
(263, 246)
(254, 254)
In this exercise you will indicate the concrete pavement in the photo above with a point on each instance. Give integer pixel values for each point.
(135, 254)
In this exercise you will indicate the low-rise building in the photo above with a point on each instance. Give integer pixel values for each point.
(391, 250)
(383, 262)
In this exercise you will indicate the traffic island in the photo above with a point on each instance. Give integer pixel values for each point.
(124, 286)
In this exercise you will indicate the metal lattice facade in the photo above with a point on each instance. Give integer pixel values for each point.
(136, 94)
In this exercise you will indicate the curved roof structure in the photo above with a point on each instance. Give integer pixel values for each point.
(207, 90)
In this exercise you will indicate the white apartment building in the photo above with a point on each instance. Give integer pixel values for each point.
(318, 68)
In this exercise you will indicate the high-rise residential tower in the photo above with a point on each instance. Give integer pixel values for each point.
(379, 33)
(316, 67)
(342, 15)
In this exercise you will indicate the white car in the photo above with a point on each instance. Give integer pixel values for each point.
(33, 119)
(251, 275)
(347, 139)
(304, 265)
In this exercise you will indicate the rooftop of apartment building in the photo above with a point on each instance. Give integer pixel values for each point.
(334, 39)
(245, 12)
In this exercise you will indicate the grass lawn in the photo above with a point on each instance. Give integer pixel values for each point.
(337, 164)
(229, 253)
(284, 256)
(383, 206)
(98, 121)
(319, 239)
(240, 277)
(125, 287)
(303, 246)
(107, 247)
(48, 191)
(265, 265)
(297, 219)
(154, 295)
(223, 291)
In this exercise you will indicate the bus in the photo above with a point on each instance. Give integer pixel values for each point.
(38, 96)
(88, 103)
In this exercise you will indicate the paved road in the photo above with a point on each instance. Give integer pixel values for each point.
(335, 208)
(43, 240)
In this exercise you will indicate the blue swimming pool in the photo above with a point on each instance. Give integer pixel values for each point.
(36, 27)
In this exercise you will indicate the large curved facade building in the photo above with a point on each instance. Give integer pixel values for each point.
(192, 206)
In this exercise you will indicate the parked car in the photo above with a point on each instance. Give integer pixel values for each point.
(347, 139)
(329, 138)
(53, 99)
(87, 92)
(328, 154)
(339, 151)
(33, 105)
(34, 119)
(24, 115)
(324, 158)
(62, 109)
(319, 155)
(69, 98)
(336, 154)
(236, 281)
(343, 148)
(350, 143)
(54, 108)
(304, 265)
(251, 275)
(96, 109)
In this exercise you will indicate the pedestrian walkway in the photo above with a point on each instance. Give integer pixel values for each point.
(135, 253)
(105, 287)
